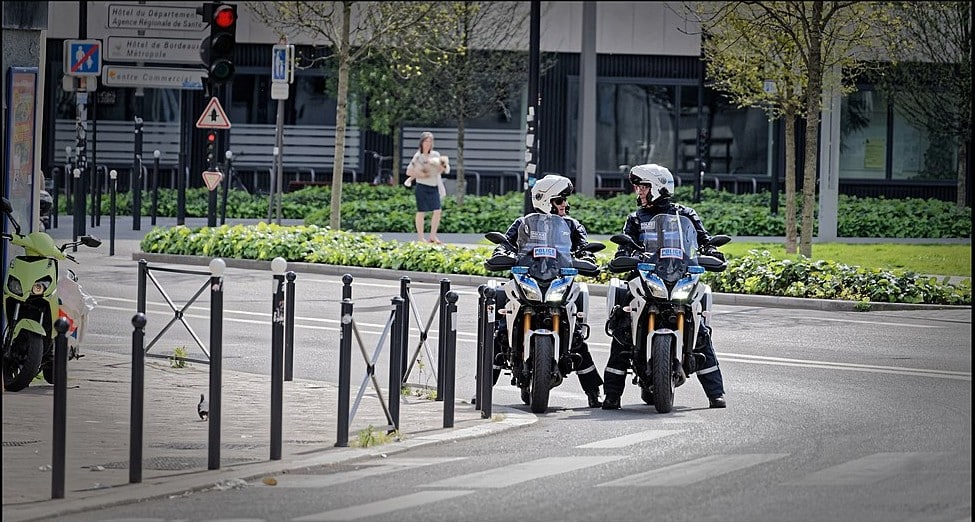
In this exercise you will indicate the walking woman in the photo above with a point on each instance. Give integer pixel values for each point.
(426, 169)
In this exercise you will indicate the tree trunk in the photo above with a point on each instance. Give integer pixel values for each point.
(790, 181)
(962, 166)
(397, 153)
(814, 95)
(341, 115)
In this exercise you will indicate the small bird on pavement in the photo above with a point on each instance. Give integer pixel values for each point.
(203, 408)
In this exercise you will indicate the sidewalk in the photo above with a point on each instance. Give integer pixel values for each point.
(175, 439)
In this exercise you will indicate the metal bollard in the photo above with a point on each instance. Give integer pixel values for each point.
(478, 373)
(278, 266)
(217, 267)
(443, 325)
(138, 397)
(487, 364)
(404, 292)
(449, 358)
(113, 174)
(59, 450)
(345, 372)
(289, 327)
(155, 185)
(397, 344)
(347, 286)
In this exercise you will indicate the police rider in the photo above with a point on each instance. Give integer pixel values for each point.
(654, 186)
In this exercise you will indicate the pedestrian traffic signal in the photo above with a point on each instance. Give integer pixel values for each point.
(217, 50)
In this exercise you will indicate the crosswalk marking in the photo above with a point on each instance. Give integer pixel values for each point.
(684, 473)
(629, 440)
(521, 472)
(867, 470)
(369, 469)
(382, 507)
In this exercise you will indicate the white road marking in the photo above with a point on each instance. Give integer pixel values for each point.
(369, 469)
(382, 507)
(868, 470)
(521, 472)
(685, 473)
(629, 440)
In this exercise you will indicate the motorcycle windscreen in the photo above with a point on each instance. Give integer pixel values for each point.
(544, 246)
(671, 241)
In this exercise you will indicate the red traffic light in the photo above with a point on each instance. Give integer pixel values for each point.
(224, 16)
(211, 137)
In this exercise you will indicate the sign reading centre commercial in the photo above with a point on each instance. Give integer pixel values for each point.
(145, 17)
(160, 78)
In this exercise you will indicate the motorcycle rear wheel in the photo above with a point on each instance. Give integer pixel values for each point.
(662, 374)
(543, 361)
(22, 361)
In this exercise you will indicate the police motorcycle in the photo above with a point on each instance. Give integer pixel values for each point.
(542, 305)
(669, 304)
(31, 304)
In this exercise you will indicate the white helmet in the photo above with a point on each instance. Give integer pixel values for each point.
(548, 188)
(658, 177)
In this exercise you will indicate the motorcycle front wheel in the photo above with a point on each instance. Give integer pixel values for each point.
(22, 361)
(662, 374)
(543, 361)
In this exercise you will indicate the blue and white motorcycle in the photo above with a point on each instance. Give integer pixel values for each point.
(542, 305)
(667, 304)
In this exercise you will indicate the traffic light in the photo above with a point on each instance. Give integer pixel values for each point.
(217, 50)
(211, 149)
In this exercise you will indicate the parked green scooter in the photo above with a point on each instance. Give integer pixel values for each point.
(31, 304)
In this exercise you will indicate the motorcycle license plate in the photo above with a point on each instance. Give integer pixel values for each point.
(544, 252)
(675, 253)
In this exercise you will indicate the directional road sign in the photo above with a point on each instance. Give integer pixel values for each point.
(156, 77)
(213, 116)
(212, 178)
(153, 50)
(82, 57)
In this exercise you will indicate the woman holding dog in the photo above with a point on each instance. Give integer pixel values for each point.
(426, 169)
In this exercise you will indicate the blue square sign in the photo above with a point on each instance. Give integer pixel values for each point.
(82, 57)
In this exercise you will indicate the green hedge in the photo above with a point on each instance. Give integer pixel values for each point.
(391, 209)
(755, 273)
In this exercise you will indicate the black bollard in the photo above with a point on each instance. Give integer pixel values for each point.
(345, 372)
(478, 372)
(138, 397)
(113, 174)
(397, 345)
(217, 267)
(289, 327)
(347, 286)
(449, 358)
(404, 292)
(155, 185)
(443, 326)
(59, 450)
(277, 356)
(487, 363)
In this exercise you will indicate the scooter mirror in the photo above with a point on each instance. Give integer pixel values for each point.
(719, 240)
(90, 241)
(7, 207)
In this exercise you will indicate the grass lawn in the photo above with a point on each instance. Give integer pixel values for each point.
(952, 260)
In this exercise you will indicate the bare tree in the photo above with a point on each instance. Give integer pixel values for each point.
(351, 30)
(932, 83)
(817, 47)
(468, 60)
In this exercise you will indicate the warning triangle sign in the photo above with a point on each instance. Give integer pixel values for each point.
(213, 116)
(212, 179)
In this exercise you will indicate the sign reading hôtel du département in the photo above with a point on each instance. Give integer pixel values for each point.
(148, 17)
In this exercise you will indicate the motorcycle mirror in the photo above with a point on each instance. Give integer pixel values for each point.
(719, 240)
(7, 207)
(625, 240)
(593, 247)
(712, 264)
(496, 237)
(90, 241)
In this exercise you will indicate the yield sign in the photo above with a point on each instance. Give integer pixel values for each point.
(213, 116)
(212, 179)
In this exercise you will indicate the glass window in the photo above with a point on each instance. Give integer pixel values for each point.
(916, 155)
(863, 136)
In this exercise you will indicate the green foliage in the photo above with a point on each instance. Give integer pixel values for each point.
(757, 272)
(178, 358)
(366, 208)
(369, 437)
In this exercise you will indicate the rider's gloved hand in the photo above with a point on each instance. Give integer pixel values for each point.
(713, 252)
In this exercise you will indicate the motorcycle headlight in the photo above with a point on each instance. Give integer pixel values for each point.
(14, 286)
(527, 284)
(654, 284)
(557, 290)
(684, 288)
(41, 285)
